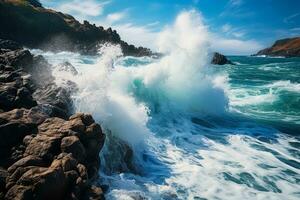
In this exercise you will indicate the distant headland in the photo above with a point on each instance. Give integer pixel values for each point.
(288, 47)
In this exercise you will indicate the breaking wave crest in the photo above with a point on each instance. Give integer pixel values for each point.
(174, 114)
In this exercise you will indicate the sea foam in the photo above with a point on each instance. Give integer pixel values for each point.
(173, 113)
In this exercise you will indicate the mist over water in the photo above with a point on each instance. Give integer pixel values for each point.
(197, 131)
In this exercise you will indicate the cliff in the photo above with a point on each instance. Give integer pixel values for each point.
(289, 47)
(31, 25)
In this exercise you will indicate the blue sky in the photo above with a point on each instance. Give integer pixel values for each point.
(237, 26)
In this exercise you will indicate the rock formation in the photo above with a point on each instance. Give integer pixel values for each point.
(289, 47)
(219, 59)
(45, 152)
(28, 23)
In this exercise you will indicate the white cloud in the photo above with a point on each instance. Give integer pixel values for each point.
(235, 3)
(232, 31)
(82, 9)
(238, 34)
(226, 28)
(145, 36)
(297, 29)
(291, 18)
(115, 17)
(231, 46)
(137, 35)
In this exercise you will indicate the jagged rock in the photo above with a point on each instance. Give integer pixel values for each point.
(66, 67)
(57, 135)
(27, 139)
(72, 144)
(58, 97)
(25, 162)
(44, 146)
(66, 161)
(219, 59)
(122, 154)
(288, 47)
(43, 157)
(14, 126)
(94, 193)
(18, 192)
(18, 58)
(47, 183)
(9, 44)
(24, 98)
(53, 126)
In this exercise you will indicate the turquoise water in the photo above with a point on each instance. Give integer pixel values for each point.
(210, 132)
(267, 90)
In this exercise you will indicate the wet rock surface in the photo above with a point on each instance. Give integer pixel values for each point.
(219, 59)
(45, 152)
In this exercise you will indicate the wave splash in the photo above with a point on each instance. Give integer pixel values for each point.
(173, 113)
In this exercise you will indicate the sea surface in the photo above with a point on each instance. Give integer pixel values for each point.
(248, 150)
(197, 131)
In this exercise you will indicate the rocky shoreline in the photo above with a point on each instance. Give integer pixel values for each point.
(46, 151)
(55, 31)
(288, 47)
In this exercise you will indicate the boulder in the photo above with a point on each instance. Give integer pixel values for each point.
(25, 162)
(58, 97)
(46, 183)
(219, 59)
(94, 193)
(24, 99)
(66, 67)
(44, 146)
(14, 126)
(17, 58)
(19, 192)
(66, 161)
(72, 144)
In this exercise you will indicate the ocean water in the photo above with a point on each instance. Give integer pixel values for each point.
(197, 131)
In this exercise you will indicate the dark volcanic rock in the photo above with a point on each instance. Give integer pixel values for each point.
(44, 152)
(55, 164)
(72, 144)
(8, 44)
(289, 47)
(17, 58)
(14, 126)
(219, 59)
(56, 31)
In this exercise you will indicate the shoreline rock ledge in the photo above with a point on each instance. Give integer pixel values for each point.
(46, 152)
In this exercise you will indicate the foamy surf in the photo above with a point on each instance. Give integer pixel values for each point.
(187, 122)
